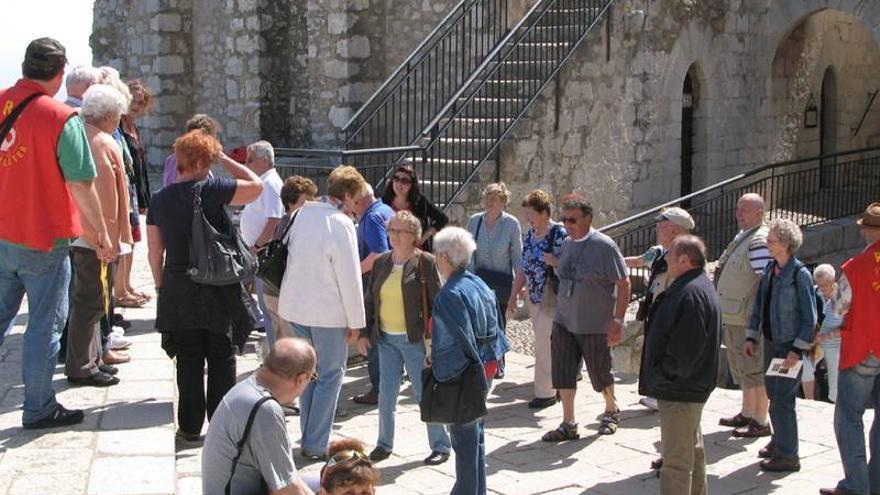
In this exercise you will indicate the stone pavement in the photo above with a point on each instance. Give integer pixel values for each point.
(126, 444)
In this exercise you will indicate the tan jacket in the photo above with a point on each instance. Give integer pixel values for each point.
(412, 293)
(112, 189)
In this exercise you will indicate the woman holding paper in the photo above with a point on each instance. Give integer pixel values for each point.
(785, 314)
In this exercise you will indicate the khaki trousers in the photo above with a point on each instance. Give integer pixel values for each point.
(684, 460)
(86, 309)
(542, 325)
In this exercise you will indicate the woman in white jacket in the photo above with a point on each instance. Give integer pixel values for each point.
(321, 296)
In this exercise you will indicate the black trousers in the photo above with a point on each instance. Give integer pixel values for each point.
(194, 349)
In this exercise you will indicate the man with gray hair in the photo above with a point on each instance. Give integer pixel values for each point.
(243, 415)
(739, 270)
(260, 218)
(78, 81)
(373, 215)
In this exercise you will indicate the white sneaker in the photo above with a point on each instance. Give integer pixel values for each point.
(118, 342)
(650, 403)
(117, 331)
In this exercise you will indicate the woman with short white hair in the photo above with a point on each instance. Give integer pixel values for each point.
(102, 108)
(467, 331)
(828, 336)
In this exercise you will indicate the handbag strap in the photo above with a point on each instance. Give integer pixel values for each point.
(476, 239)
(8, 122)
(289, 225)
(426, 328)
(244, 437)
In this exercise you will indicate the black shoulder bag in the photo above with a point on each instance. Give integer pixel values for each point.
(243, 441)
(272, 259)
(459, 400)
(500, 282)
(7, 124)
(217, 257)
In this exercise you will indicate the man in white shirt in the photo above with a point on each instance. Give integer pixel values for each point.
(259, 219)
(321, 296)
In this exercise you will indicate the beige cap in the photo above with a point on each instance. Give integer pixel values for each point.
(677, 216)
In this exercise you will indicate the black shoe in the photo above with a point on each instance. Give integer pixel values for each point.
(99, 379)
(379, 454)
(119, 321)
(538, 403)
(313, 457)
(187, 437)
(59, 417)
(436, 458)
(656, 464)
(370, 398)
(499, 372)
(766, 452)
(108, 368)
(781, 464)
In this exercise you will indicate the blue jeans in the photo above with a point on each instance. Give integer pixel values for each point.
(266, 320)
(395, 353)
(318, 402)
(469, 445)
(857, 387)
(782, 393)
(45, 278)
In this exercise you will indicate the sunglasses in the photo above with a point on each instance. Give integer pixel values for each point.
(313, 377)
(568, 220)
(402, 179)
(348, 455)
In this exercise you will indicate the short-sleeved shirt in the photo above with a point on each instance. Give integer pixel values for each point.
(74, 154)
(533, 251)
(588, 271)
(172, 211)
(268, 205)
(371, 232)
(266, 454)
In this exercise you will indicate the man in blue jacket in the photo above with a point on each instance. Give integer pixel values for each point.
(681, 363)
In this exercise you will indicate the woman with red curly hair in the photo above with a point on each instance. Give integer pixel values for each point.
(349, 470)
(196, 320)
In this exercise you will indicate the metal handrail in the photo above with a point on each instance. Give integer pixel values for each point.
(426, 132)
(405, 63)
(344, 153)
(735, 178)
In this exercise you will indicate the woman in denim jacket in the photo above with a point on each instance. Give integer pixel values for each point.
(785, 314)
(466, 331)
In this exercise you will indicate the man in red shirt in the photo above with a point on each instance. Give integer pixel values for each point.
(858, 298)
(46, 182)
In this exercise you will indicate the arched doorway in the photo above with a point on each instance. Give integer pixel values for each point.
(828, 117)
(689, 102)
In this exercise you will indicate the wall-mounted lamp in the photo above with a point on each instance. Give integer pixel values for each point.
(811, 113)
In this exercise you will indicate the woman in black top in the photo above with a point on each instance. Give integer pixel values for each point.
(196, 320)
(404, 194)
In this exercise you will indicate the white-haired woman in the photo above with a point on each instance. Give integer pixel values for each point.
(499, 248)
(102, 108)
(785, 314)
(466, 331)
(403, 285)
(828, 336)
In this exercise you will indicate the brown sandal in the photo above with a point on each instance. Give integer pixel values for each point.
(130, 301)
(609, 423)
(562, 433)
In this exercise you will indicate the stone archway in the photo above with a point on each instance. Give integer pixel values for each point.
(818, 40)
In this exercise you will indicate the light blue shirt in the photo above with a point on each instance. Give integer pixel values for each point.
(498, 249)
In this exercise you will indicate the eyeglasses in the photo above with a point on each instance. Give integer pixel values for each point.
(399, 231)
(402, 179)
(567, 220)
(314, 376)
(344, 456)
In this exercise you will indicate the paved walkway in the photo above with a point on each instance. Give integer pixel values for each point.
(126, 445)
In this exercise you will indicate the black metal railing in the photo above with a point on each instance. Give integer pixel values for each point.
(468, 130)
(316, 164)
(397, 112)
(794, 189)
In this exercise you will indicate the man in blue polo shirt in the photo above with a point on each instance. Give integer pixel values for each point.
(373, 214)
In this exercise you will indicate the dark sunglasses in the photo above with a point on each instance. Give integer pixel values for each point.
(402, 179)
(313, 377)
(568, 220)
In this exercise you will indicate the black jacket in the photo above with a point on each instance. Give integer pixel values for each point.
(682, 335)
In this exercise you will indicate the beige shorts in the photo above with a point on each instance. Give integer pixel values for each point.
(748, 372)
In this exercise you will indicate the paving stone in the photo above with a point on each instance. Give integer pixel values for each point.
(142, 474)
(144, 441)
(72, 483)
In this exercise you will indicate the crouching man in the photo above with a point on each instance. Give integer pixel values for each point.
(264, 463)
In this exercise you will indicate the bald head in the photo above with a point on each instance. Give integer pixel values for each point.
(290, 357)
(749, 211)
